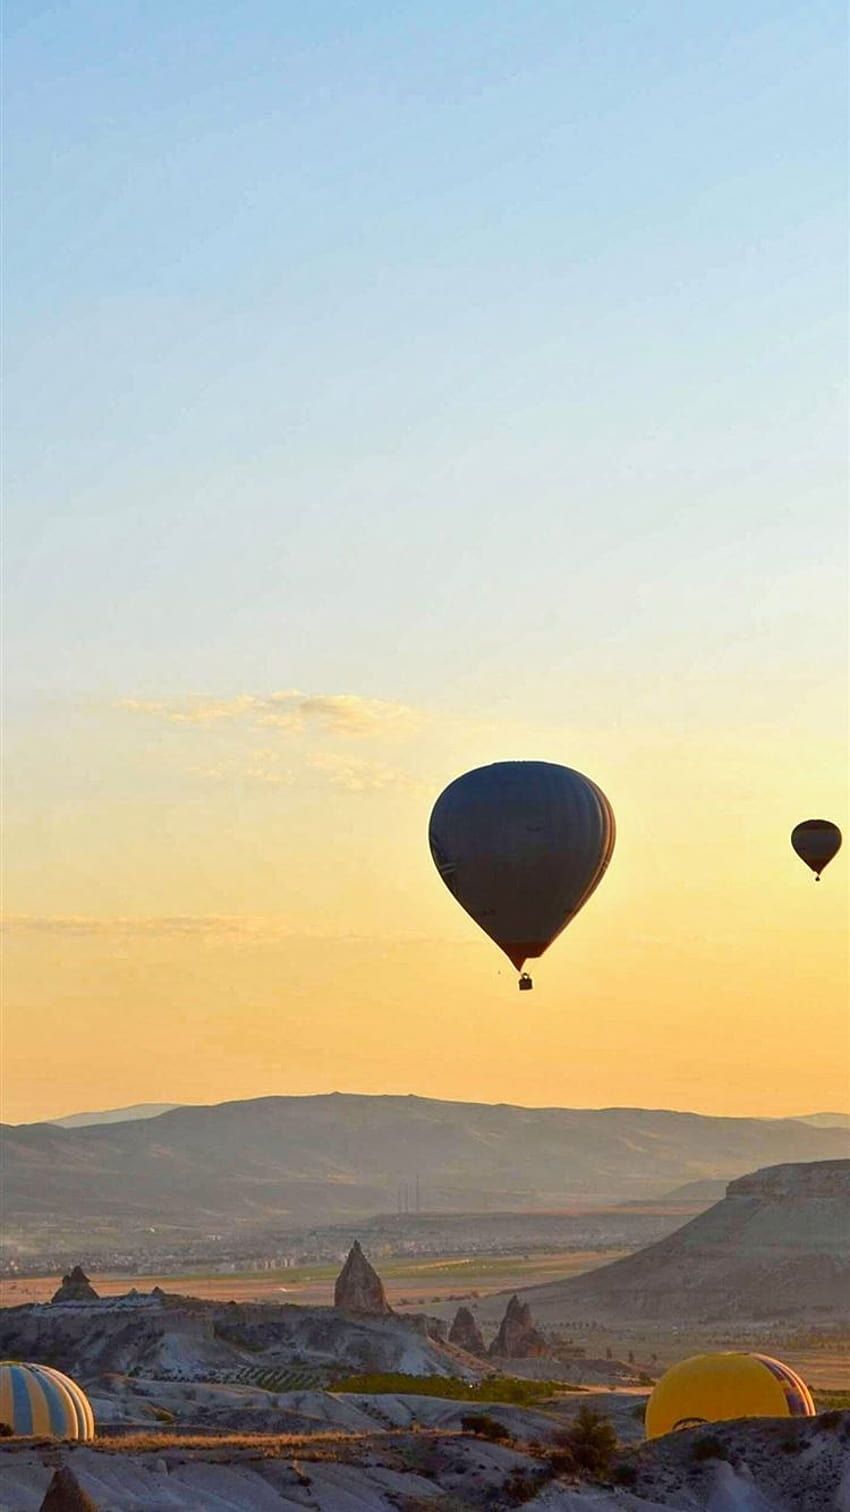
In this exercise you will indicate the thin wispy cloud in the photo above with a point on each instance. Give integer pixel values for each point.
(351, 774)
(235, 929)
(265, 767)
(216, 926)
(334, 713)
(356, 776)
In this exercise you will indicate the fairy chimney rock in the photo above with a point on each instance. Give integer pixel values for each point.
(359, 1288)
(65, 1494)
(518, 1339)
(76, 1287)
(466, 1334)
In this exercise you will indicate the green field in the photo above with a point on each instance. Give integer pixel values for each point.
(509, 1389)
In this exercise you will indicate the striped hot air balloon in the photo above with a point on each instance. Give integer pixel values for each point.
(36, 1399)
(713, 1388)
(522, 845)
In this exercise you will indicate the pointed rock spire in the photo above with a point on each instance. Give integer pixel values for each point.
(518, 1339)
(76, 1287)
(466, 1334)
(359, 1288)
(65, 1494)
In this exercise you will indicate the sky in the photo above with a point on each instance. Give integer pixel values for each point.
(390, 389)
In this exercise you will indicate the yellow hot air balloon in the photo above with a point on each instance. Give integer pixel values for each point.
(713, 1388)
(36, 1399)
(816, 841)
(522, 845)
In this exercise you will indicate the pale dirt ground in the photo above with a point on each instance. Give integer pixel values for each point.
(824, 1368)
(416, 1284)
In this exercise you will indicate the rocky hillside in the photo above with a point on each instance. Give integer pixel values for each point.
(166, 1336)
(296, 1160)
(417, 1459)
(776, 1248)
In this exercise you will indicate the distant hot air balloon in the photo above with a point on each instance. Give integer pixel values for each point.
(816, 841)
(712, 1388)
(522, 845)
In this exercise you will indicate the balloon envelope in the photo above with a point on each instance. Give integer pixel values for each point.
(36, 1399)
(522, 845)
(816, 841)
(713, 1388)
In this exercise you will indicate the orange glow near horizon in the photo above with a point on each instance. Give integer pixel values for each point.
(256, 938)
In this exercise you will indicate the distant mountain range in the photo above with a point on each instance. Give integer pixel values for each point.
(153, 1110)
(114, 1115)
(826, 1120)
(287, 1162)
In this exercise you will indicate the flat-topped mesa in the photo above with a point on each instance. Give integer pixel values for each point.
(815, 1178)
(518, 1339)
(76, 1287)
(466, 1334)
(359, 1289)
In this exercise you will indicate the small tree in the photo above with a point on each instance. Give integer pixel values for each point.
(484, 1425)
(592, 1440)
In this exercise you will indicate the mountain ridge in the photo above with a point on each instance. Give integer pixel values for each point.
(134, 1112)
(291, 1160)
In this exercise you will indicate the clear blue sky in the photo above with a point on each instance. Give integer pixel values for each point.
(423, 350)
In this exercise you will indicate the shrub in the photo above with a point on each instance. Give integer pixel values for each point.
(591, 1440)
(624, 1474)
(520, 1486)
(562, 1462)
(709, 1447)
(484, 1425)
(831, 1419)
(162, 1414)
(6, 1430)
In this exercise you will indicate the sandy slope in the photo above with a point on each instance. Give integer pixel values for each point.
(776, 1247)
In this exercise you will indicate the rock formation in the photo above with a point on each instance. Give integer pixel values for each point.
(76, 1287)
(774, 1250)
(359, 1288)
(518, 1339)
(65, 1494)
(466, 1334)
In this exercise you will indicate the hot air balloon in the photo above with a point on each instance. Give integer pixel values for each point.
(816, 841)
(713, 1388)
(522, 845)
(37, 1399)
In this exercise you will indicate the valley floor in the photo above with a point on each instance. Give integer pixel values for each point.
(414, 1283)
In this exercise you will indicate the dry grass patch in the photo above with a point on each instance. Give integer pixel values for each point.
(269, 1445)
(337, 1444)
